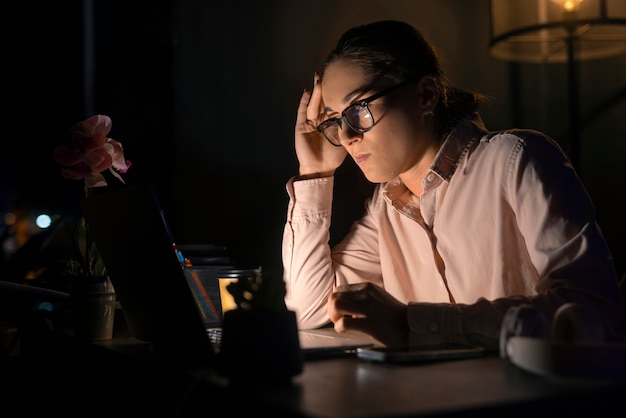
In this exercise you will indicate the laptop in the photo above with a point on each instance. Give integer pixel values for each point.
(159, 294)
(209, 286)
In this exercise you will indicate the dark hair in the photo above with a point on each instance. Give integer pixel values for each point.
(396, 50)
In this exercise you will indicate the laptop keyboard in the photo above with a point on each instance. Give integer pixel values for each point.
(215, 336)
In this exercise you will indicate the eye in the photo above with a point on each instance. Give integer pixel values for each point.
(355, 110)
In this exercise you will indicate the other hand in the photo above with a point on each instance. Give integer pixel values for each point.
(368, 308)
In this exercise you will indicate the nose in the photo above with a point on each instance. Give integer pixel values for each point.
(347, 135)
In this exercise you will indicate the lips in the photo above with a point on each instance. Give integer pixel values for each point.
(361, 158)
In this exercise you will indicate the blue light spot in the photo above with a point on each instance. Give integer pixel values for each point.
(43, 221)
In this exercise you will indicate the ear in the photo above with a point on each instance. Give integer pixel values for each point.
(428, 94)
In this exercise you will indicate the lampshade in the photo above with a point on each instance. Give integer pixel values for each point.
(539, 30)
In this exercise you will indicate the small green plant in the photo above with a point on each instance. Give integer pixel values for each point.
(258, 293)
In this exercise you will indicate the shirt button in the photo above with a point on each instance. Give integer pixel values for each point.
(430, 177)
(433, 327)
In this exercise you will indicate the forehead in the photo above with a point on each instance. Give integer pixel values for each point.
(342, 80)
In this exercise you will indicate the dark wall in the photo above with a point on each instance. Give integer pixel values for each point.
(203, 97)
(42, 98)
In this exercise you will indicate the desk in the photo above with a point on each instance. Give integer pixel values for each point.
(123, 375)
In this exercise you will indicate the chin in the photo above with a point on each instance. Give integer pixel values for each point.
(376, 178)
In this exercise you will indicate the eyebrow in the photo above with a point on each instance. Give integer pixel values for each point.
(348, 97)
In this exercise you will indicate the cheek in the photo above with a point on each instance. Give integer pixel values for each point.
(399, 137)
(390, 156)
(396, 147)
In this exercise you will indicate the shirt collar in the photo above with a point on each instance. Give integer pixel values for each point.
(456, 145)
(454, 148)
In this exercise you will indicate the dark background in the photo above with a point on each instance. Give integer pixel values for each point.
(203, 94)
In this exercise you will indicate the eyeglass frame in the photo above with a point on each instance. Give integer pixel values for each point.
(321, 128)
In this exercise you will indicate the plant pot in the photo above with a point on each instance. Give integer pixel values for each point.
(260, 347)
(93, 307)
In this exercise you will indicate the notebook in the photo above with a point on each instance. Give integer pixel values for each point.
(159, 295)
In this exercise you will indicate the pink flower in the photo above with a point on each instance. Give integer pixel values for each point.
(91, 153)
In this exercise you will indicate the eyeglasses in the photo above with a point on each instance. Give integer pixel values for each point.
(357, 116)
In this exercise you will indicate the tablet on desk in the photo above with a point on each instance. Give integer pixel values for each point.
(423, 353)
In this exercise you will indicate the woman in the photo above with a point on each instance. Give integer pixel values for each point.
(463, 223)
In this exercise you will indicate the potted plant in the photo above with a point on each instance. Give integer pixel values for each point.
(260, 336)
(90, 155)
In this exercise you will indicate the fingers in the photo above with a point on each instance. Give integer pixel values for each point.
(366, 307)
(315, 108)
(310, 109)
(350, 300)
(301, 115)
(354, 287)
(346, 323)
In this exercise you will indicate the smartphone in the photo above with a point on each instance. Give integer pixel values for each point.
(420, 353)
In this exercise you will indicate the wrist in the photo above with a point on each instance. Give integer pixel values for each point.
(315, 175)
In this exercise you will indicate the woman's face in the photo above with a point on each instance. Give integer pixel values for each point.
(399, 143)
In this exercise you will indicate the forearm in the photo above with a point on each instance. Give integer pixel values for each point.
(308, 271)
(480, 323)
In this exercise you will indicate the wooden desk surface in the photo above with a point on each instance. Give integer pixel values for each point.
(348, 387)
(340, 387)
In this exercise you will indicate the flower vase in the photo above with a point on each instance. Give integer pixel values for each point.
(93, 307)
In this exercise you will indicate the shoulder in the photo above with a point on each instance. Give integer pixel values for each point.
(520, 137)
(527, 138)
(523, 159)
(527, 161)
(521, 146)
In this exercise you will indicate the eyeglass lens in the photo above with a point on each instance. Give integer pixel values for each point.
(357, 116)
